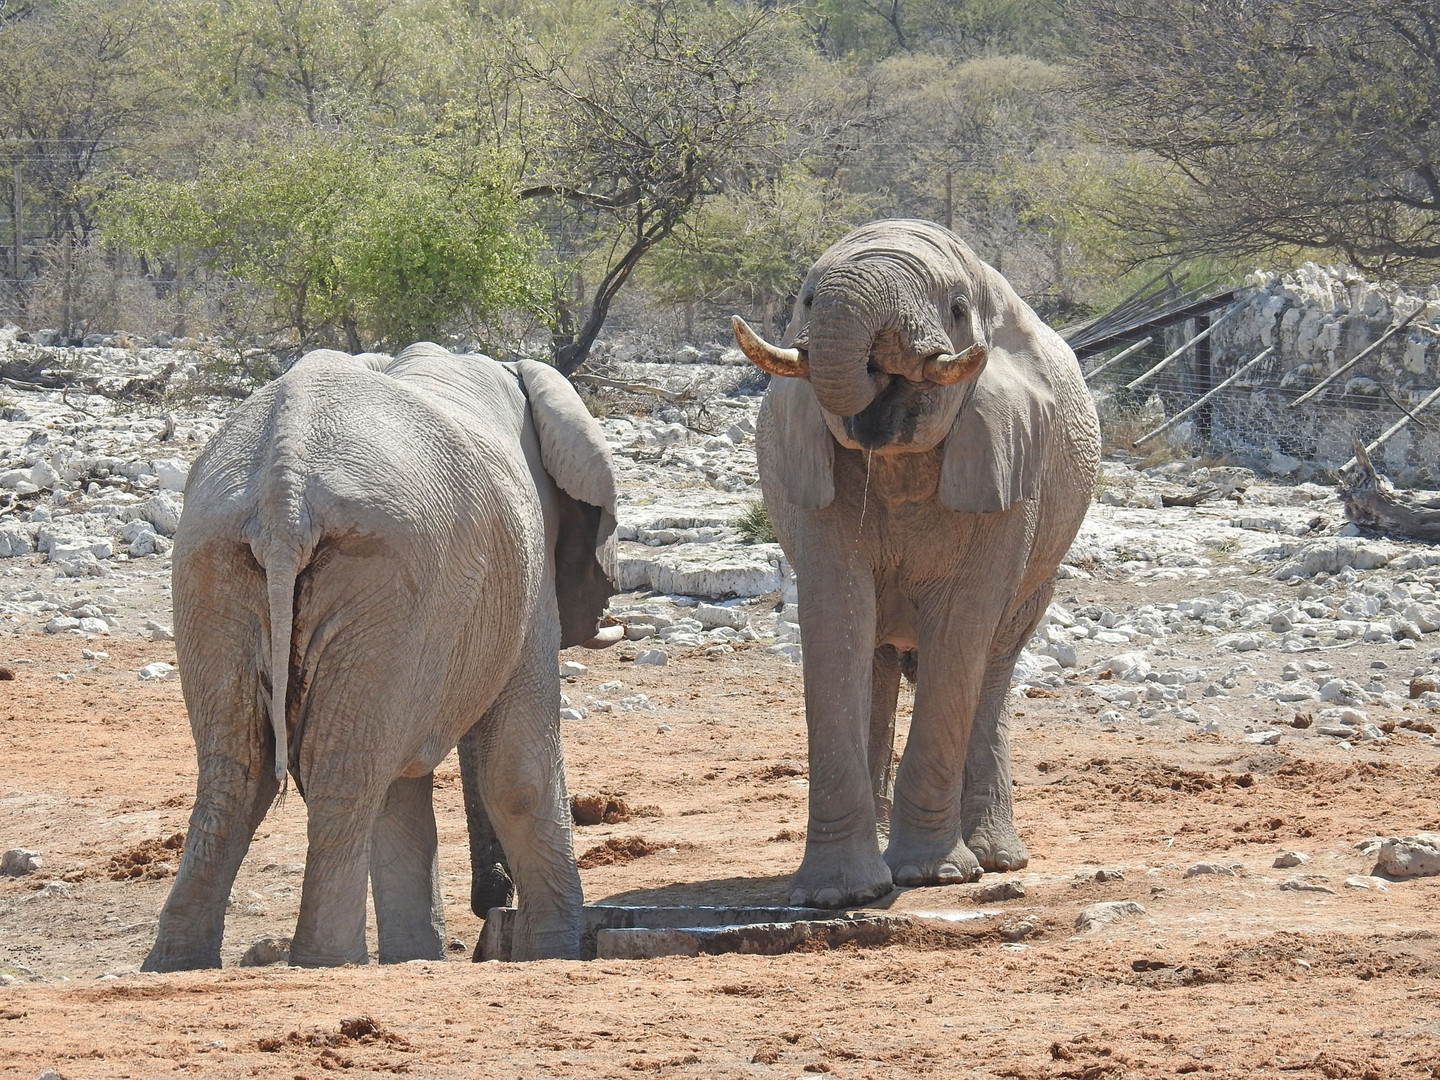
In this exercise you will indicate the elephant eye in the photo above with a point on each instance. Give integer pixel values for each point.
(959, 307)
(809, 299)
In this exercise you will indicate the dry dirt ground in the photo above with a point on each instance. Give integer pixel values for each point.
(1223, 975)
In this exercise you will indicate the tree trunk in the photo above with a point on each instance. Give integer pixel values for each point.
(1372, 503)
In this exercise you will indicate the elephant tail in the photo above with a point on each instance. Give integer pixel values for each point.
(280, 577)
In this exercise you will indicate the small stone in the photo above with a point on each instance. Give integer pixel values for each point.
(157, 670)
(712, 615)
(1106, 912)
(1000, 890)
(1413, 856)
(1286, 859)
(663, 729)
(1423, 684)
(159, 631)
(18, 862)
(1363, 881)
(571, 670)
(1262, 738)
(1109, 875)
(1306, 884)
(267, 951)
(60, 624)
(658, 657)
(1212, 868)
(573, 713)
(1017, 931)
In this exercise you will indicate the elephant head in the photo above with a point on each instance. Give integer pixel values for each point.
(901, 339)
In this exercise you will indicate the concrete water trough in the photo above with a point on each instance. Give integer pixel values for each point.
(633, 932)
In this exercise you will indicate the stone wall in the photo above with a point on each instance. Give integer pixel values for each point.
(1316, 318)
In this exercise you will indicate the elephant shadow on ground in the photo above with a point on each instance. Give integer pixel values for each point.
(769, 891)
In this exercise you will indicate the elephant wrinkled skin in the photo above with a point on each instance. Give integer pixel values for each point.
(379, 559)
(927, 452)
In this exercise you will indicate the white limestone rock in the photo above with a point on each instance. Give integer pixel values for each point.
(1412, 856)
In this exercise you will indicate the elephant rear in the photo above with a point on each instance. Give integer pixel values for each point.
(326, 567)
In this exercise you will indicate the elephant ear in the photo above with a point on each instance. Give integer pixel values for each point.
(804, 449)
(575, 454)
(995, 451)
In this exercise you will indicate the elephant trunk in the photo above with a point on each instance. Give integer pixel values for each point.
(840, 339)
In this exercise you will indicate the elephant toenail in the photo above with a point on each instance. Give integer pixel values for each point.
(799, 898)
(829, 898)
(908, 875)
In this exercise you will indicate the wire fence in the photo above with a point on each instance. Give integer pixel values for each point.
(1282, 393)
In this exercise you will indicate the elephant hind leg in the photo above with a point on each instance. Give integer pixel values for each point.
(987, 803)
(405, 874)
(490, 882)
(232, 800)
(884, 693)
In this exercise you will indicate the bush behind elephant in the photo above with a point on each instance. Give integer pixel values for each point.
(378, 559)
(927, 453)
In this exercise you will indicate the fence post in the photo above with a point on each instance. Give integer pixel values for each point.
(18, 221)
(1343, 368)
(1118, 357)
(1398, 426)
(1150, 374)
(1168, 424)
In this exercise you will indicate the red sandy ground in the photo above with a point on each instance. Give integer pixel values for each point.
(1224, 975)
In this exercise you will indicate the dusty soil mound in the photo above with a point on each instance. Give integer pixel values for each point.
(598, 810)
(149, 860)
(617, 850)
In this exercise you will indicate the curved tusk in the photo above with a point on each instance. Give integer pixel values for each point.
(787, 363)
(605, 637)
(946, 369)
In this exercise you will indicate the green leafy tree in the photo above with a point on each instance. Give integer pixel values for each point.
(80, 82)
(385, 245)
(748, 248)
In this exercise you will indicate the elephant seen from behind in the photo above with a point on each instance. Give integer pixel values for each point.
(378, 559)
(927, 452)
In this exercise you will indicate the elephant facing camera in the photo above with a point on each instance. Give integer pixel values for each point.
(927, 450)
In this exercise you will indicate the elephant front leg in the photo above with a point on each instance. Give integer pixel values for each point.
(405, 874)
(842, 864)
(926, 835)
(342, 810)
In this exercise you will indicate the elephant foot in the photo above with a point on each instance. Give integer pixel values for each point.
(490, 887)
(168, 960)
(916, 864)
(998, 847)
(303, 957)
(545, 944)
(840, 875)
